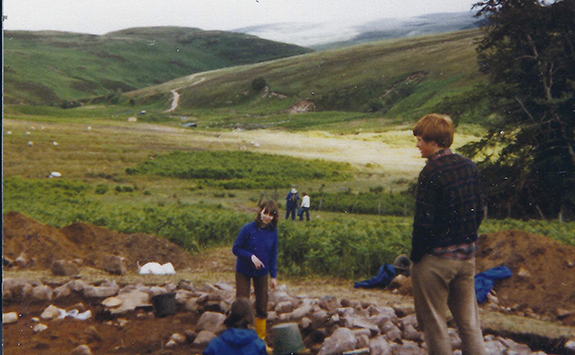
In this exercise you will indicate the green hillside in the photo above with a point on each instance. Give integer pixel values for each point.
(49, 67)
(400, 79)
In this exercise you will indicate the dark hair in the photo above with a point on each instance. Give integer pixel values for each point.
(241, 315)
(269, 207)
(436, 128)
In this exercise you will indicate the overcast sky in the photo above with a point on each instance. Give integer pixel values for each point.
(102, 16)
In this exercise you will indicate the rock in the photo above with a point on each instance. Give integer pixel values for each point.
(361, 338)
(340, 341)
(190, 335)
(107, 289)
(52, 312)
(9, 318)
(130, 301)
(23, 260)
(398, 282)
(319, 319)
(562, 313)
(114, 264)
(391, 331)
(78, 285)
(38, 328)
(570, 345)
(112, 302)
(493, 346)
(62, 292)
(284, 307)
(41, 294)
(171, 344)
(178, 338)
(64, 268)
(93, 333)
(7, 262)
(329, 303)
(454, 337)
(210, 321)
(192, 305)
(203, 338)
(379, 346)
(408, 348)
(82, 350)
(523, 273)
(410, 333)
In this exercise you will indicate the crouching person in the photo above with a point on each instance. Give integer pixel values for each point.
(239, 338)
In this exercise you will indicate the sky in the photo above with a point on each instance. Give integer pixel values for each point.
(103, 16)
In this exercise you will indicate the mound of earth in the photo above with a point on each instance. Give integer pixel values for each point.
(543, 270)
(86, 243)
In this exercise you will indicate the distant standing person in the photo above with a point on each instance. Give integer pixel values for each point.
(305, 203)
(291, 203)
(256, 248)
(448, 212)
(239, 338)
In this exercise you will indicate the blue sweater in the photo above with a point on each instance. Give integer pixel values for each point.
(236, 342)
(263, 242)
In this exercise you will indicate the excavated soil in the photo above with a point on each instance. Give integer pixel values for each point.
(543, 282)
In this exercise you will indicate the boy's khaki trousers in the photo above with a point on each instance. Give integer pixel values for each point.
(440, 284)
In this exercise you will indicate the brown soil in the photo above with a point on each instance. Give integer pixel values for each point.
(549, 288)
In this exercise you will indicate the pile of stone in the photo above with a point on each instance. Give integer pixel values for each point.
(328, 325)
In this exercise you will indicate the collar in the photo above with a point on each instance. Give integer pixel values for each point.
(441, 153)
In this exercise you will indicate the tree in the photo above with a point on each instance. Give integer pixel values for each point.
(258, 84)
(528, 53)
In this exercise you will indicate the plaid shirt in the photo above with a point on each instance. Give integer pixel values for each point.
(448, 208)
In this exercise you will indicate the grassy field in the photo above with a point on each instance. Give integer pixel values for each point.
(140, 177)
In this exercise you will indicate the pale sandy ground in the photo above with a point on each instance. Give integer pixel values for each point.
(358, 150)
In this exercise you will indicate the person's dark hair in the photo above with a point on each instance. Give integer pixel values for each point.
(436, 128)
(241, 315)
(269, 207)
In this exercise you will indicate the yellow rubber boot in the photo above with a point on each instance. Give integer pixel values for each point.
(260, 325)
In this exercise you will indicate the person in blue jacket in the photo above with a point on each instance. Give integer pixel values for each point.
(291, 203)
(239, 338)
(256, 248)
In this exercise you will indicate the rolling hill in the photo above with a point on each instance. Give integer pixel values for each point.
(49, 67)
(400, 78)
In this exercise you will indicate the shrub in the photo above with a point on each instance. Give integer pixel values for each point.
(258, 84)
(101, 189)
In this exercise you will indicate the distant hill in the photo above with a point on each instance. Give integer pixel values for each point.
(47, 67)
(400, 78)
(332, 35)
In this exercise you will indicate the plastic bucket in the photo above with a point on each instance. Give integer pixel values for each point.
(164, 304)
(287, 339)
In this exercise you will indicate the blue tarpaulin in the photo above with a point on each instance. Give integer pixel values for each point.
(484, 281)
(384, 276)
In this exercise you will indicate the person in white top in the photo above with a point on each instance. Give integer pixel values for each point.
(304, 208)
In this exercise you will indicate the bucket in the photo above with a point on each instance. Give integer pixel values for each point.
(164, 304)
(287, 339)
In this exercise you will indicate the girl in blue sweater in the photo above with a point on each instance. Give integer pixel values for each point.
(256, 248)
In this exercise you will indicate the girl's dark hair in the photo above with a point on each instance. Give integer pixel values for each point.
(269, 207)
(241, 315)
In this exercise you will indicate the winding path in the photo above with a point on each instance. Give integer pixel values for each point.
(176, 95)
